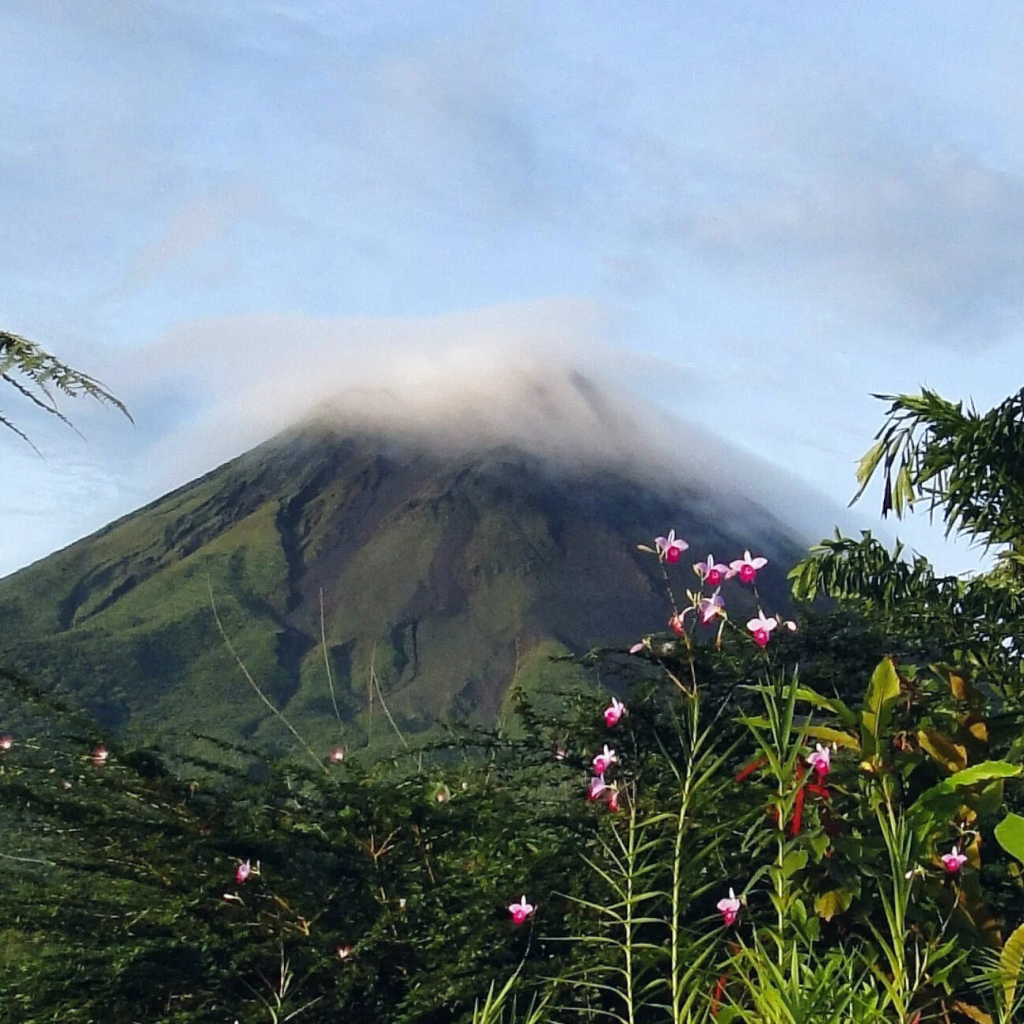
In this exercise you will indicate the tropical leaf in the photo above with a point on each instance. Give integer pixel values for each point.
(845, 715)
(1009, 835)
(1011, 960)
(833, 902)
(942, 749)
(883, 692)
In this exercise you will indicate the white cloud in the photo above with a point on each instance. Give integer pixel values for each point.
(542, 377)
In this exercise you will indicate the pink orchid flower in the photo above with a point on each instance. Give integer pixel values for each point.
(596, 788)
(613, 799)
(100, 755)
(711, 572)
(761, 628)
(637, 647)
(520, 911)
(953, 861)
(243, 872)
(710, 608)
(6, 742)
(337, 755)
(820, 759)
(344, 952)
(670, 547)
(604, 761)
(614, 712)
(746, 567)
(729, 907)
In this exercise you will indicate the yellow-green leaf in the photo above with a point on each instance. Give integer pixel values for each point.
(833, 704)
(833, 902)
(823, 734)
(974, 1013)
(941, 748)
(1011, 959)
(867, 466)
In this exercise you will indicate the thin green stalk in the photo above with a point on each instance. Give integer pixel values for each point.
(628, 921)
(327, 660)
(252, 682)
(692, 720)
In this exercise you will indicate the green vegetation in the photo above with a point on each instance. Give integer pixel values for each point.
(821, 825)
(435, 583)
(39, 377)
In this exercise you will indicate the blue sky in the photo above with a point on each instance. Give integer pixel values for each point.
(752, 214)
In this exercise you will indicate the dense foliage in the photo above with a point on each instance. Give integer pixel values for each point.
(819, 823)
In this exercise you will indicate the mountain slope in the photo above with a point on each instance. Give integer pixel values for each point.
(437, 580)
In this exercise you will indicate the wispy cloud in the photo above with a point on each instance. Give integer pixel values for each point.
(191, 232)
(542, 377)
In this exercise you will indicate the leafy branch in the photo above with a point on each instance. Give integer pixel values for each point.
(41, 377)
(965, 465)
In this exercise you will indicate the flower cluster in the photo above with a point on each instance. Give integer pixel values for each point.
(598, 787)
(711, 606)
(819, 760)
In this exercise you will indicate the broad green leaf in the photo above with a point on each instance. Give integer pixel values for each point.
(1009, 835)
(941, 801)
(983, 772)
(883, 692)
(794, 861)
(799, 912)
(990, 799)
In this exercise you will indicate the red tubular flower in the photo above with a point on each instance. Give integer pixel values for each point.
(748, 770)
(798, 806)
(798, 814)
(716, 999)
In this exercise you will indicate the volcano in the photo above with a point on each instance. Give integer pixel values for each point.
(371, 584)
